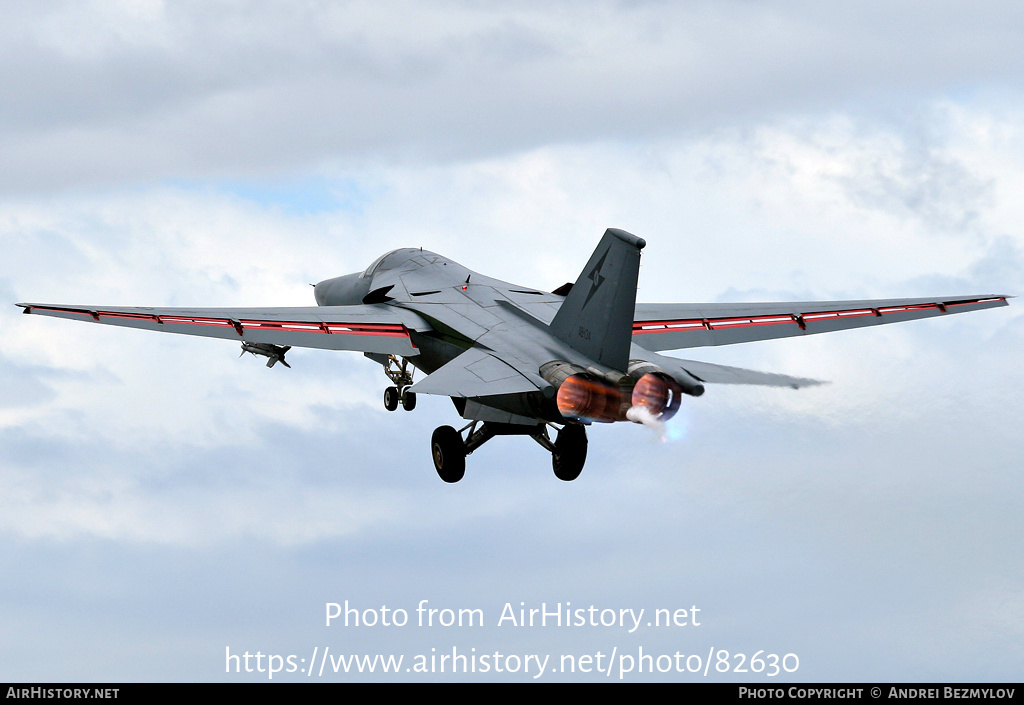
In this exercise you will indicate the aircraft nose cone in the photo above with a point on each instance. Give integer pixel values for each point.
(318, 292)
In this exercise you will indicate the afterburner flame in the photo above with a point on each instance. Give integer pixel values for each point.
(581, 396)
(658, 394)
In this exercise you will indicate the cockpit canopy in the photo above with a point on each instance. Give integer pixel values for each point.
(386, 261)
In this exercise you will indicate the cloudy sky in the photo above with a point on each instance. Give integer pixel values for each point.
(164, 503)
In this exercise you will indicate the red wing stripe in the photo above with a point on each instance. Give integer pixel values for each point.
(323, 327)
(686, 324)
(330, 328)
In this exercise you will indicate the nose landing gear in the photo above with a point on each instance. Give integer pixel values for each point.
(401, 375)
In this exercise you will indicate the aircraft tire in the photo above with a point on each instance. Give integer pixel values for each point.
(570, 452)
(391, 398)
(449, 453)
(408, 400)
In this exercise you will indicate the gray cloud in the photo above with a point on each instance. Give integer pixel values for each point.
(188, 89)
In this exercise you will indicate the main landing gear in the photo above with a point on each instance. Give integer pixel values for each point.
(398, 372)
(449, 450)
(570, 452)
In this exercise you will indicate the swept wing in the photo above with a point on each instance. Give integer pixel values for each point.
(367, 328)
(677, 326)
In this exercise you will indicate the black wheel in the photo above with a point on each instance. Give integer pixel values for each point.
(391, 398)
(449, 454)
(408, 400)
(570, 452)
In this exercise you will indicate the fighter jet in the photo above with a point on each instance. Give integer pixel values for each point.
(516, 360)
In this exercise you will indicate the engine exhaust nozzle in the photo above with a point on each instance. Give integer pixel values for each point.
(659, 394)
(582, 396)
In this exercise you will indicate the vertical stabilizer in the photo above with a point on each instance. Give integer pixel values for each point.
(596, 318)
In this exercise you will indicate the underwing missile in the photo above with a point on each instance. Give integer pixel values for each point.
(274, 352)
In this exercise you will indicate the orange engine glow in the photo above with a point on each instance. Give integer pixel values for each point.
(659, 393)
(581, 396)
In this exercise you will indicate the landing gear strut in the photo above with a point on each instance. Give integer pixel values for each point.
(449, 450)
(401, 375)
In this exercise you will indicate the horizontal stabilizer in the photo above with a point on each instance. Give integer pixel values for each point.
(722, 374)
(474, 373)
